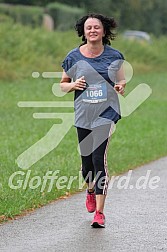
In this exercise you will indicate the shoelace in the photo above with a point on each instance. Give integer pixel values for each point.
(100, 215)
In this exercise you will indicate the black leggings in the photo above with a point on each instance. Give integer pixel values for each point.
(93, 151)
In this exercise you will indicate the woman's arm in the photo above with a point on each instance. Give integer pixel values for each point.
(120, 81)
(67, 86)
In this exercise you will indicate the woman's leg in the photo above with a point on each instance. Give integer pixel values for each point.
(86, 141)
(87, 167)
(101, 136)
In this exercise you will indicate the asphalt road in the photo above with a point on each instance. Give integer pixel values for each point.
(136, 219)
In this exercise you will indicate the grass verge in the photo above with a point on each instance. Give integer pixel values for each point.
(139, 138)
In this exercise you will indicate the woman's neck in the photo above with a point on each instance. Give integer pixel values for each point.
(93, 50)
(94, 46)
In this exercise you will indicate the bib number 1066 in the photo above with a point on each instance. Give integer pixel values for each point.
(94, 93)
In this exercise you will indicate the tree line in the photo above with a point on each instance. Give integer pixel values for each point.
(149, 16)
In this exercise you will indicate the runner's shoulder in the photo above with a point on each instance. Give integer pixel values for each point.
(73, 52)
(114, 52)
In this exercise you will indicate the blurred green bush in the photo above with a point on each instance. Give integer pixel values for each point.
(64, 16)
(26, 15)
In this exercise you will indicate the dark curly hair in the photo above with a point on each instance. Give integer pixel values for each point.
(108, 24)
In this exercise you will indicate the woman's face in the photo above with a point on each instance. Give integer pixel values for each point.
(93, 30)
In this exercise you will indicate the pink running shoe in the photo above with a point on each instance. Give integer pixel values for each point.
(90, 202)
(99, 220)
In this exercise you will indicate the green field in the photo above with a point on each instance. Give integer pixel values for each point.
(139, 138)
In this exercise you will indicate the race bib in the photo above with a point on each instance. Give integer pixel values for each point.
(95, 93)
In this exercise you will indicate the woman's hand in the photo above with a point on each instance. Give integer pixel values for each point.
(79, 84)
(120, 88)
(67, 86)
